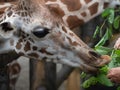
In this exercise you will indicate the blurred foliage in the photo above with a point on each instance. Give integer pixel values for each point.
(111, 23)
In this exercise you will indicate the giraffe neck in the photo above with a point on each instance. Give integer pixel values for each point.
(76, 12)
(29, 2)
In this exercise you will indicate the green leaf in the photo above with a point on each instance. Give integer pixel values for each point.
(111, 65)
(106, 12)
(111, 16)
(109, 31)
(89, 82)
(103, 50)
(118, 88)
(116, 22)
(102, 79)
(104, 39)
(96, 32)
(104, 69)
(83, 75)
(109, 13)
(117, 53)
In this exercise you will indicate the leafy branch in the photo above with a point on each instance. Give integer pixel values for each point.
(111, 22)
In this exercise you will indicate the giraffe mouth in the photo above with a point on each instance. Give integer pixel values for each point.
(99, 60)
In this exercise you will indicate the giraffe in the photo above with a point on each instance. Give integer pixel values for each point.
(14, 69)
(4, 5)
(77, 12)
(53, 6)
(33, 31)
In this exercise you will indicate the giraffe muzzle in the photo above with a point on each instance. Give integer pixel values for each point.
(99, 60)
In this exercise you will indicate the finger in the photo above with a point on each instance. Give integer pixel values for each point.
(114, 79)
(110, 74)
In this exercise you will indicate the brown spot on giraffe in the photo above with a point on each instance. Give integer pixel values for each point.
(74, 21)
(87, 1)
(34, 48)
(23, 36)
(2, 10)
(43, 50)
(23, 3)
(93, 8)
(74, 43)
(64, 29)
(72, 5)
(71, 34)
(23, 14)
(9, 13)
(27, 47)
(25, 8)
(31, 40)
(19, 45)
(105, 5)
(84, 14)
(33, 55)
(15, 68)
(55, 8)
(21, 53)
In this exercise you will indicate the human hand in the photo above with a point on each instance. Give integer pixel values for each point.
(114, 74)
(117, 44)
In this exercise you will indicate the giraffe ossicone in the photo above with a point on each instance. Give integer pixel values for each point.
(32, 30)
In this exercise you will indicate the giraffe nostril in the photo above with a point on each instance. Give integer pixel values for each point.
(94, 54)
(6, 26)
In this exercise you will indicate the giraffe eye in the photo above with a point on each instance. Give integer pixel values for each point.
(40, 31)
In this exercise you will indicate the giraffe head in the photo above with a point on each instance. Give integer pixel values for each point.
(30, 29)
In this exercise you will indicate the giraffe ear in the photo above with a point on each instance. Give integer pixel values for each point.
(55, 10)
(40, 32)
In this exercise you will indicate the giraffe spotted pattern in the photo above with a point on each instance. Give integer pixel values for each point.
(82, 11)
(38, 33)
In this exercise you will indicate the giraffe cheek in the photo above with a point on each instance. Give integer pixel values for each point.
(18, 45)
